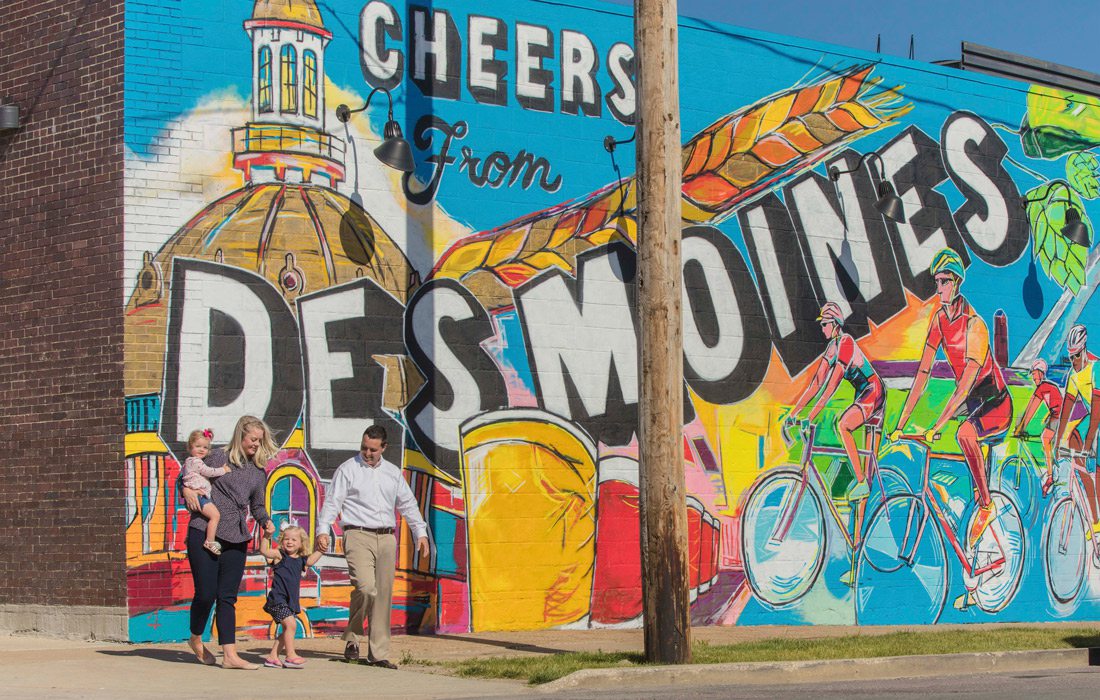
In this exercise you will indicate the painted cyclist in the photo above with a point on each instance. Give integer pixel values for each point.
(980, 387)
(844, 360)
(1046, 394)
(1081, 387)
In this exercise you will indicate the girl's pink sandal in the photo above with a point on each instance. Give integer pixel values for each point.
(273, 663)
(295, 662)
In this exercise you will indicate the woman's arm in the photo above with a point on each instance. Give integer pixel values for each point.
(256, 504)
(191, 497)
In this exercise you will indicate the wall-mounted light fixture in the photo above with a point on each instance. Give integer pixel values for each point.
(1074, 229)
(395, 151)
(9, 117)
(889, 204)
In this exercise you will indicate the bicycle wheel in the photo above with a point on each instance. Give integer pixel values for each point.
(1015, 477)
(1065, 551)
(1004, 536)
(782, 537)
(901, 568)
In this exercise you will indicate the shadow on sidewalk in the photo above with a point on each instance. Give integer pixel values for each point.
(504, 644)
(173, 655)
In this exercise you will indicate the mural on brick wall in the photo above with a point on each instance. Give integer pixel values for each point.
(888, 266)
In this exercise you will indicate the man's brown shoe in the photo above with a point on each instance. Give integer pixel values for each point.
(351, 651)
(385, 664)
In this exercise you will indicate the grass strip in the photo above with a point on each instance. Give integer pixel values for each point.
(543, 669)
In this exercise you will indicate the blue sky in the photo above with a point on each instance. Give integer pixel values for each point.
(1064, 31)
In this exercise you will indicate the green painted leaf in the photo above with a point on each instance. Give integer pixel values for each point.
(1048, 205)
(1083, 173)
(1058, 272)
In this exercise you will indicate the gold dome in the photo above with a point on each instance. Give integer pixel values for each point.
(301, 238)
(303, 12)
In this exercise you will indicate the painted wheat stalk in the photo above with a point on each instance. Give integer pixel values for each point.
(727, 164)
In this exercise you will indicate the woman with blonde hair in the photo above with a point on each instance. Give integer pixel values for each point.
(238, 493)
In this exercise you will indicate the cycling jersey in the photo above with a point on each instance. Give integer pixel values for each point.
(1049, 394)
(1081, 384)
(965, 338)
(870, 394)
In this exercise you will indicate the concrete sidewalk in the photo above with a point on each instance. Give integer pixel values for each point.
(47, 668)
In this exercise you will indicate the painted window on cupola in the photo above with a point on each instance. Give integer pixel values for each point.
(288, 99)
(309, 83)
(265, 79)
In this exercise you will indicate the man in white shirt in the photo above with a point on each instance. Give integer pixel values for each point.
(365, 491)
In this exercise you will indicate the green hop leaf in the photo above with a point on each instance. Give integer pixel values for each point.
(1061, 259)
(1083, 173)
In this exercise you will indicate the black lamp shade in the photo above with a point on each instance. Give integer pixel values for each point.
(889, 203)
(395, 151)
(1075, 229)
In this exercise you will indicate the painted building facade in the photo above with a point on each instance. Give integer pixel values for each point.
(482, 310)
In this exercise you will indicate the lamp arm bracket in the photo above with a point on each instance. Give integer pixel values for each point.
(609, 142)
(345, 114)
(835, 172)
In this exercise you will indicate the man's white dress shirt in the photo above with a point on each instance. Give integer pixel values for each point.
(366, 496)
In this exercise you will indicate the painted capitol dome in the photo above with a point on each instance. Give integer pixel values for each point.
(288, 223)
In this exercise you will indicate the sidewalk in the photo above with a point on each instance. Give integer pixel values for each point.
(48, 668)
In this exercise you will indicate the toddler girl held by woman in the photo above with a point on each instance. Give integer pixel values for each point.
(288, 562)
(196, 476)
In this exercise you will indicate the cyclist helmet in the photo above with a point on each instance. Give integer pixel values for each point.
(1039, 366)
(1078, 336)
(831, 312)
(948, 260)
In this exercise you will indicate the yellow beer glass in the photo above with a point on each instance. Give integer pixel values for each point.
(529, 483)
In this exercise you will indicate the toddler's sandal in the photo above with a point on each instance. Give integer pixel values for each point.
(294, 662)
(213, 546)
(273, 663)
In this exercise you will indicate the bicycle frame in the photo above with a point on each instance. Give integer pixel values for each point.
(1078, 472)
(808, 433)
(932, 504)
(1024, 454)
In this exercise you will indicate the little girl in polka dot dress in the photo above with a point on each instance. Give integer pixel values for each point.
(288, 562)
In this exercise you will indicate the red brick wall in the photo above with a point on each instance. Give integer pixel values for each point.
(62, 493)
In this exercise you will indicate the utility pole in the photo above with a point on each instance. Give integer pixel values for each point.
(665, 604)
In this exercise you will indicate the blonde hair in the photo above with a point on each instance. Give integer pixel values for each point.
(264, 453)
(194, 437)
(303, 536)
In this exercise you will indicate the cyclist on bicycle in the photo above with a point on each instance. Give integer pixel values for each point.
(979, 384)
(1048, 393)
(843, 360)
(1082, 388)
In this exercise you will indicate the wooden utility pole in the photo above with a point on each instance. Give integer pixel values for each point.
(661, 369)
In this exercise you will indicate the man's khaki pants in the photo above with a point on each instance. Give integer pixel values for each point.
(371, 561)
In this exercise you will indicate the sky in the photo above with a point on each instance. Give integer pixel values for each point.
(1059, 31)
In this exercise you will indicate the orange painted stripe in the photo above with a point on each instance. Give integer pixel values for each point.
(775, 151)
(805, 100)
(719, 148)
(698, 158)
(799, 136)
(843, 119)
(709, 188)
(746, 130)
(515, 274)
(852, 84)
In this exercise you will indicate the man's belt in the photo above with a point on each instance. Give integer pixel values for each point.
(374, 530)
